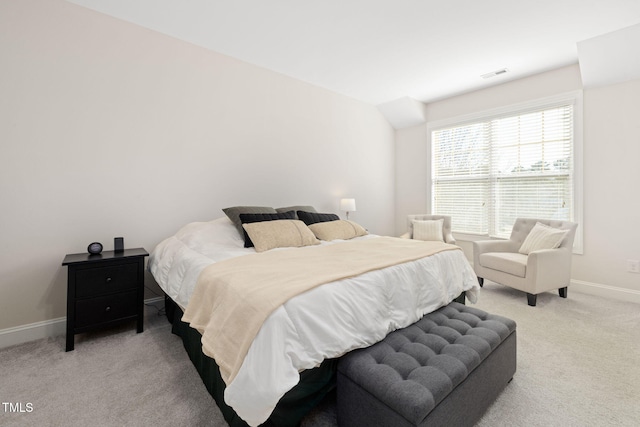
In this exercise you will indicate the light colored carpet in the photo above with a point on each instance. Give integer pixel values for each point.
(577, 366)
(113, 377)
(578, 360)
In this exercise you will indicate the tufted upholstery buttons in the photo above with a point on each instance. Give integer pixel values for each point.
(422, 363)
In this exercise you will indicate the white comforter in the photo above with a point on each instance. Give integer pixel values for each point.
(325, 322)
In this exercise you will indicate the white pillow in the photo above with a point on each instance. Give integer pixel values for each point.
(542, 237)
(428, 230)
(201, 235)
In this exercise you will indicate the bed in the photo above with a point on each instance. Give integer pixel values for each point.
(289, 361)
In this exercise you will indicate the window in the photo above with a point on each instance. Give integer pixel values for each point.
(520, 162)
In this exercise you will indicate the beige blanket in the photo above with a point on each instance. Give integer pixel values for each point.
(233, 298)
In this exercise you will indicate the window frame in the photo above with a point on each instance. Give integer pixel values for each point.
(575, 98)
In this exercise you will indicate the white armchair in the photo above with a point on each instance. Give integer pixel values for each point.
(529, 267)
(447, 237)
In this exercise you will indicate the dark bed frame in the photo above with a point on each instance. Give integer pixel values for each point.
(295, 404)
(314, 383)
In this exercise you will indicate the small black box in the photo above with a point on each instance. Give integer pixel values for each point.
(118, 244)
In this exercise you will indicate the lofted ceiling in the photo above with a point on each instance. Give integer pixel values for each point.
(379, 51)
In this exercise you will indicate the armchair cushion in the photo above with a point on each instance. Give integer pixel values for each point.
(508, 262)
(542, 237)
(428, 230)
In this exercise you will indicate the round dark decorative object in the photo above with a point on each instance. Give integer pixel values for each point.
(94, 248)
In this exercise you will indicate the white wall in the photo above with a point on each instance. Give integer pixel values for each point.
(612, 175)
(611, 150)
(412, 171)
(108, 129)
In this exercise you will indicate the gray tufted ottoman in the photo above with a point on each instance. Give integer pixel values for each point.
(445, 369)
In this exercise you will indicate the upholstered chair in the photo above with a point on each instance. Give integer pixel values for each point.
(535, 259)
(447, 237)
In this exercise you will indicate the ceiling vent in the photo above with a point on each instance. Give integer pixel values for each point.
(494, 73)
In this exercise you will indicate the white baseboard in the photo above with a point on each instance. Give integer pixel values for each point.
(606, 291)
(32, 331)
(152, 300)
(39, 330)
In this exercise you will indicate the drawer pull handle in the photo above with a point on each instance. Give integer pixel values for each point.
(108, 279)
(108, 309)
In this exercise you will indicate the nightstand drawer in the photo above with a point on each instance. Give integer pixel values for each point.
(104, 309)
(98, 281)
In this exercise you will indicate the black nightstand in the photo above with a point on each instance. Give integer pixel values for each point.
(103, 290)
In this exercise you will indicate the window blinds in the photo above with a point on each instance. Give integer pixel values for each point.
(486, 174)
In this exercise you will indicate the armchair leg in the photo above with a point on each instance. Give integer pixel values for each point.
(531, 299)
(563, 292)
(480, 281)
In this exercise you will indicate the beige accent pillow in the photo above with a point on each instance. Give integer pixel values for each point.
(339, 229)
(280, 233)
(542, 237)
(428, 230)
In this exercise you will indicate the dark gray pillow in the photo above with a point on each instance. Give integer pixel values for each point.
(296, 209)
(234, 214)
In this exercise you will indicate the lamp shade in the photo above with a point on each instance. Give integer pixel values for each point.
(348, 205)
